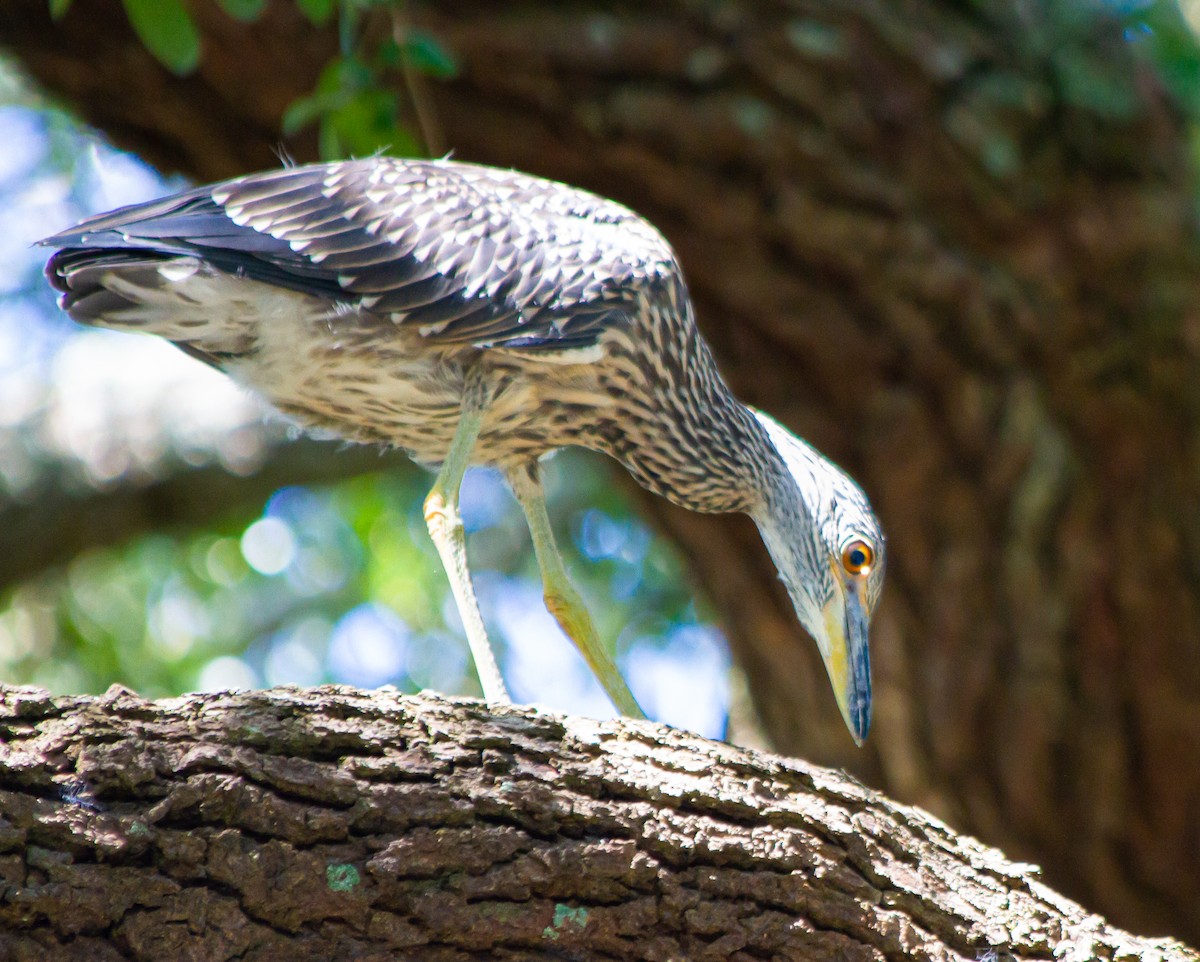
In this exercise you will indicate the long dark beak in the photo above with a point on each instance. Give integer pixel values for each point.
(848, 658)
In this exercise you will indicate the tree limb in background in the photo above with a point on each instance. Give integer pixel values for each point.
(335, 823)
(65, 520)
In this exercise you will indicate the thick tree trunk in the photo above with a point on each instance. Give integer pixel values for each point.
(957, 253)
(338, 824)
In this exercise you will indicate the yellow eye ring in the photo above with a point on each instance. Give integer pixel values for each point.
(858, 557)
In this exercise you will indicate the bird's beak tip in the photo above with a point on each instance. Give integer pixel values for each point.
(848, 663)
(859, 723)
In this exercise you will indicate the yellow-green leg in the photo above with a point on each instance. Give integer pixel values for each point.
(563, 601)
(446, 529)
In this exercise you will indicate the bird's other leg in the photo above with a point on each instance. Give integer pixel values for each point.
(446, 529)
(562, 600)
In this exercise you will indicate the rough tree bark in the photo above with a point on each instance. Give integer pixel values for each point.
(953, 248)
(338, 824)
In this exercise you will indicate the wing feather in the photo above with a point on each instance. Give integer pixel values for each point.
(468, 254)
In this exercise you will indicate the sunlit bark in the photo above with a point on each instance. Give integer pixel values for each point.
(333, 824)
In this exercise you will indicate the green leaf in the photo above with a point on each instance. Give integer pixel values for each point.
(304, 110)
(166, 28)
(428, 55)
(328, 145)
(1162, 34)
(367, 123)
(245, 10)
(401, 142)
(58, 9)
(300, 113)
(318, 11)
(389, 55)
(347, 74)
(346, 86)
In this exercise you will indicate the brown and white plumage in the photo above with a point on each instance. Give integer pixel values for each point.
(388, 299)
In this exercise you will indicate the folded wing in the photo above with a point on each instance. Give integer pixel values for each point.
(467, 254)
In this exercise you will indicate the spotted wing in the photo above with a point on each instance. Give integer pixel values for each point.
(468, 254)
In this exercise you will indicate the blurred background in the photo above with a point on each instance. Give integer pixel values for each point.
(283, 582)
(953, 245)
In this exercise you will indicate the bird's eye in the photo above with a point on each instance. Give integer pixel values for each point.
(858, 557)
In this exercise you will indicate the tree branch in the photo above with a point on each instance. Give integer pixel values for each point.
(66, 519)
(335, 823)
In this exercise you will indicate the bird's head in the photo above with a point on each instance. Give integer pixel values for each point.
(829, 549)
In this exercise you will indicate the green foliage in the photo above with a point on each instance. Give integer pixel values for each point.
(1169, 41)
(319, 12)
(155, 613)
(1154, 31)
(167, 30)
(424, 53)
(245, 10)
(357, 114)
(356, 104)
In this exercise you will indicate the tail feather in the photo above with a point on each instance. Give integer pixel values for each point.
(201, 309)
(80, 275)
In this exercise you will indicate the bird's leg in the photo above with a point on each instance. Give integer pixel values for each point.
(446, 529)
(562, 600)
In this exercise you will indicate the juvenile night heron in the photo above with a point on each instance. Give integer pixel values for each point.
(479, 316)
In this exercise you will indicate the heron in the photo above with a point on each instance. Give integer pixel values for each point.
(471, 315)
